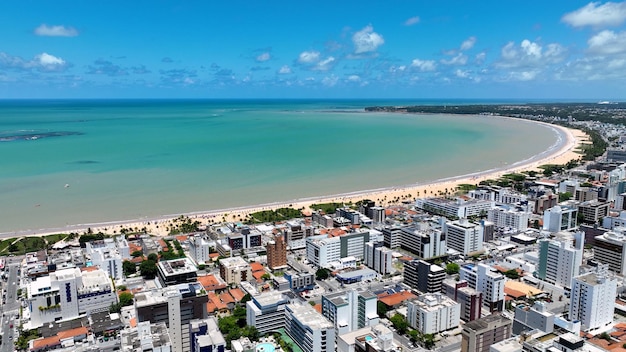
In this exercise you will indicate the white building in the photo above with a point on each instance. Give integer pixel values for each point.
(487, 280)
(108, 254)
(234, 270)
(67, 294)
(459, 208)
(592, 300)
(433, 313)
(464, 236)
(146, 337)
(372, 339)
(350, 310)
(322, 250)
(423, 241)
(266, 311)
(309, 329)
(506, 216)
(560, 218)
(199, 249)
(560, 258)
(378, 257)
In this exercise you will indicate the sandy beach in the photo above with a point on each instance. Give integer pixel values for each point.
(564, 150)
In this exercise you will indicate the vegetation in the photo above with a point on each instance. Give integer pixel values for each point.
(26, 244)
(25, 336)
(171, 253)
(125, 299)
(381, 309)
(129, 268)
(148, 269)
(280, 214)
(322, 274)
(565, 196)
(452, 268)
(426, 340)
(90, 236)
(234, 326)
(154, 257)
(399, 323)
(136, 254)
(183, 224)
(52, 239)
(328, 208)
(512, 274)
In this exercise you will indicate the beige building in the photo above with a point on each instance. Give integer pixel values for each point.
(480, 334)
(276, 253)
(235, 270)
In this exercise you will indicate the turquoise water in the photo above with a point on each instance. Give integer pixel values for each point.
(265, 347)
(77, 162)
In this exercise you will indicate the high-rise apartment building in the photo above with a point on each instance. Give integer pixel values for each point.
(350, 310)
(560, 258)
(480, 334)
(464, 236)
(276, 253)
(309, 329)
(592, 300)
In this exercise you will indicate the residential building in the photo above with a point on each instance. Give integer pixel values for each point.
(68, 293)
(378, 338)
(610, 248)
(464, 236)
(235, 270)
(560, 258)
(612, 222)
(199, 249)
(378, 257)
(146, 337)
(424, 276)
(560, 218)
(469, 299)
(309, 329)
(433, 313)
(424, 241)
(276, 253)
(108, 255)
(296, 232)
(350, 310)
(459, 208)
(585, 194)
(176, 306)
(266, 311)
(594, 210)
(300, 281)
(322, 250)
(480, 334)
(487, 228)
(543, 202)
(535, 317)
(487, 280)
(509, 217)
(392, 235)
(177, 271)
(205, 336)
(592, 300)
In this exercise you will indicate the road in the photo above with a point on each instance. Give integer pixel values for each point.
(452, 347)
(10, 309)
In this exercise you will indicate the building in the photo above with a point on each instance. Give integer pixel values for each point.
(146, 337)
(560, 259)
(543, 202)
(300, 281)
(350, 310)
(508, 216)
(469, 299)
(296, 232)
(610, 248)
(463, 236)
(378, 257)
(424, 276)
(458, 208)
(372, 339)
(108, 255)
(392, 236)
(593, 211)
(592, 300)
(205, 336)
(480, 334)
(433, 313)
(199, 249)
(246, 238)
(68, 293)
(266, 311)
(560, 218)
(487, 280)
(176, 306)
(322, 251)
(424, 241)
(276, 253)
(529, 318)
(309, 329)
(488, 229)
(235, 270)
(177, 271)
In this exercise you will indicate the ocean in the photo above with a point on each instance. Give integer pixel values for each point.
(67, 162)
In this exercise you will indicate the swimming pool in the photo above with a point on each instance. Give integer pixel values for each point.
(265, 347)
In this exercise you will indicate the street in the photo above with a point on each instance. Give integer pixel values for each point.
(10, 309)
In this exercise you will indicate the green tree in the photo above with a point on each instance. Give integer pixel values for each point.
(452, 268)
(154, 257)
(266, 276)
(126, 299)
(129, 268)
(512, 274)
(381, 309)
(148, 269)
(399, 323)
(322, 274)
(136, 254)
(246, 298)
(565, 196)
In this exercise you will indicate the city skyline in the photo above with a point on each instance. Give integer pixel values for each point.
(520, 50)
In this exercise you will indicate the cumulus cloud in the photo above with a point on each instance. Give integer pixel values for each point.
(43, 62)
(366, 40)
(312, 60)
(424, 65)
(597, 15)
(411, 21)
(309, 57)
(178, 77)
(325, 64)
(607, 43)
(284, 70)
(330, 81)
(107, 68)
(55, 31)
(468, 43)
(354, 78)
(460, 59)
(461, 74)
(480, 58)
(530, 54)
(263, 57)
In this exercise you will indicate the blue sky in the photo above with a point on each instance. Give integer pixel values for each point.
(561, 49)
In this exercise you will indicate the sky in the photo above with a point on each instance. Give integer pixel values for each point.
(465, 49)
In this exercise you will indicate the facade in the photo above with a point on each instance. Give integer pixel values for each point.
(423, 241)
(592, 300)
(300, 281)
(423, 276)
(235, 270)
(176, 306)
(594, 210)
(146, 337)
(205, 336)
(296, 232)
(544, 202)
(470, 300)
(480, 334)
(276, 253)
(464, 237)
(487, 280)
(560, 259)
(199, 249)
(350, 310)
(433, 313)
(378, 257)
(610, 248)
(65, 294)
(266, 311)
(392, 236)
(529, 318)
(458, 208)
(509, 217)
(177, 271)
(322, 251)
(309, 329)
(560, 218)
(352, 244)
(108, 254)
(372, 339)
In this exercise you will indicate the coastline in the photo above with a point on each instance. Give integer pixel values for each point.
(562, 151)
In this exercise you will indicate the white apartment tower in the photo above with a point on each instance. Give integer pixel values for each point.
(560, 218)
(487, 280)
(463, 236)
(560, 258)
(378, 257)
(309, 329)
(199, 249)
(433, 313)
(350, 310)
(593, 298)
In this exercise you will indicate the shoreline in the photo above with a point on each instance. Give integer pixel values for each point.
(563, 150)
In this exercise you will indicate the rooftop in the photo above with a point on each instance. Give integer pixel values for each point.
(308, 316)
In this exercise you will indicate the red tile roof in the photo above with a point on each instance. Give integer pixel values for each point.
(226, 298)
(237, 294)
(211, 283)
(45, 343)
(256, 266)
(182, 238)
(72, 332)
(394, 299)
(133, 322)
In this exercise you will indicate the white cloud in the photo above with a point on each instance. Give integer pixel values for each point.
(354, 78)
(461, 74)
(530, 54)
(607, 43)
(325, 64)
(411, 21)
(596, 15)
(330, 81)
(480, 58)
(46, 59)
(55, 31)
(366, 40)
(263, 57)
(43, 62)
(459, 59)
(309, 57)
(424, 65)
(284, 70)
(468, 43)
(395, 69)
